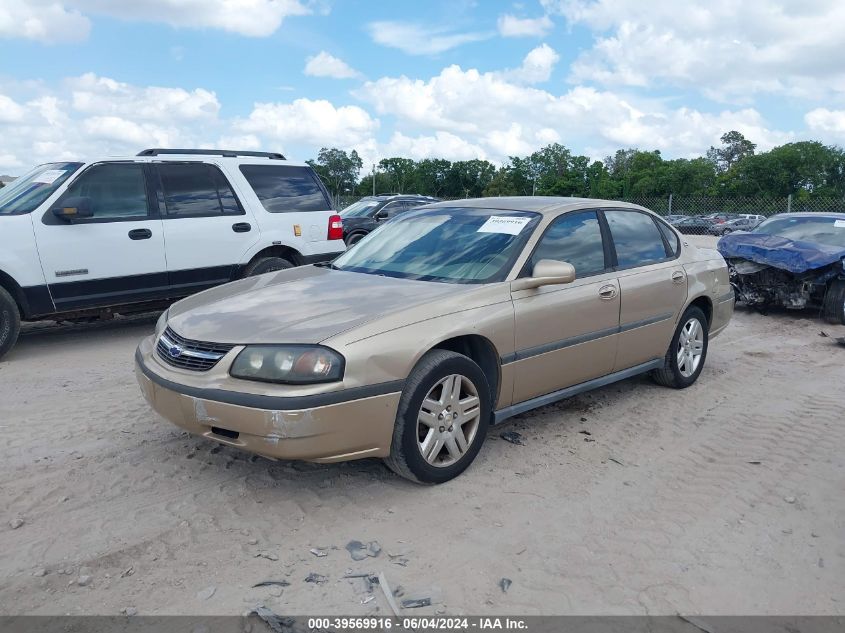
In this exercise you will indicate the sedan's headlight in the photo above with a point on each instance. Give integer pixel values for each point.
(288, 364)
(162, 323)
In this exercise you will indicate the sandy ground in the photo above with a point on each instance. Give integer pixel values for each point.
(725, 498)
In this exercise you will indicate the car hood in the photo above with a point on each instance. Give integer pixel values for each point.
(298, 305)
(779, 252)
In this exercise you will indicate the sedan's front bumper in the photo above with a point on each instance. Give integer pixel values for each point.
(350, 424)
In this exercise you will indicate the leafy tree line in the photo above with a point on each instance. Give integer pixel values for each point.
(805, 169)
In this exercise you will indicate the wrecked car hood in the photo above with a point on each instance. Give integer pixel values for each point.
(779, 252)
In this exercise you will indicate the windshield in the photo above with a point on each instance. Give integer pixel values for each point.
(359, 209)
(25, 194)
(455, 245)
(822, 230)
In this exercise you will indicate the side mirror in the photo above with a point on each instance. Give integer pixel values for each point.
(74, 208)
(547, 272)
(381, 215)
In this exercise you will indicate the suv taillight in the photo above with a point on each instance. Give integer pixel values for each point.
(335, 228)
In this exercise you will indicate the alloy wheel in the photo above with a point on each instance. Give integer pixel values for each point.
(448, 420)
(690, 347)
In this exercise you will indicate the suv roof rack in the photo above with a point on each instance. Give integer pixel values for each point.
(158, 151)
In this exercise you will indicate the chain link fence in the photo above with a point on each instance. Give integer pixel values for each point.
(712, 215)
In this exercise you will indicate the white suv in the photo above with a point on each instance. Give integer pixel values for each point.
(83, 239)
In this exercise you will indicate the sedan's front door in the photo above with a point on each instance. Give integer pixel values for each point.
(567, 334)
(116, 256)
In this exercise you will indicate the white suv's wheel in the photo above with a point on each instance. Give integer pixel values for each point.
(266, 265)
(10, 322)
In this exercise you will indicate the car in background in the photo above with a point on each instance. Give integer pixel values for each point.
(792, 260)
(88, 239)
(675, 217)
(694, 225)
(720, 218)
(739, 224)
(364, 216)
(443, 321)
(753, 216)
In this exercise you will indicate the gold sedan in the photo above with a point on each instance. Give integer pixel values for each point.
(439, 324)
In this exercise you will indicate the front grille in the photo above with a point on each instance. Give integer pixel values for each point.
(186, 354)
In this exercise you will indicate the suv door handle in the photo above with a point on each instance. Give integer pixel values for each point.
(607, 292)
(140, 234)
(242, 227)
(678, 276)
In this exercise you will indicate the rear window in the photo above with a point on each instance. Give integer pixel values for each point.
(285, 189)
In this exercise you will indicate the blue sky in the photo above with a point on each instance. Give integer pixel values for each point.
(459, 79)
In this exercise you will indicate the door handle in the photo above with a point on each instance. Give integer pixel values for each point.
(242, 227)
(140, 234)
(678, 276)
(607, 292)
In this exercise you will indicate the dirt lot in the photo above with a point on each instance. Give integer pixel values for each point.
(726, 498)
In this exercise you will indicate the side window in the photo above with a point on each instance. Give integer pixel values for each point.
(196, 189)
(394, 208)
(283, 189)
(672, 241)
(637, 240)
(115, 191)
(574, 238)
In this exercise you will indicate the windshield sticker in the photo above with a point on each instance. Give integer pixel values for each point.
(504, 224)
(49, 176)
(839, 224)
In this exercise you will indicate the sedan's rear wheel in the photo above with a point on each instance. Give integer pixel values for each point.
(442, 418)
(354, 238)
(686, 354)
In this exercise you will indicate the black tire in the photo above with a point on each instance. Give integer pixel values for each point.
(266, 265)
(10, 322)
(670, 374)
(406, 458)
(834, 302)
(354, 238)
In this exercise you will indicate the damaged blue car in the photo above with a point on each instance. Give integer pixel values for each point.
(793, 260)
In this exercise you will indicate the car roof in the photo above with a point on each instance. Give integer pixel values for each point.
(811, 214)
(182, 158)
(547, 205)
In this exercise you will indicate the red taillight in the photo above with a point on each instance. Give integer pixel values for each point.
(335, 228)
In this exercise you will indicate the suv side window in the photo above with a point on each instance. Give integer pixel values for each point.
(116, 191)
(284, 189)
(196, 190)
(394, 208)
(637, 240)
(575, 238)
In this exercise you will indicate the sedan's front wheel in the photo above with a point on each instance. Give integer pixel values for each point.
(442, 419)
(687, 351)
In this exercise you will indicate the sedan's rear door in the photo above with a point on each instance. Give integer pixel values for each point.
(566, 334)
(652, 281)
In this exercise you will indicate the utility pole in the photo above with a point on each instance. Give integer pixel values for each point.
(374, 179)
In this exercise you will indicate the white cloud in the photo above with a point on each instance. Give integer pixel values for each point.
(439, 145)
(512, 26)
(418, 39)
(309, 122)
(66, 20)
(324, 64)
(42, 20)
(10, 111)
(826, 123)
(536, 68)
(729, 50)
(96, 95)
(501, 117)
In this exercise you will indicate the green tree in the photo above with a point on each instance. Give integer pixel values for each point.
(469, 178)
(399, 172)
(337, 169)
(431, 176)
(734, 148)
